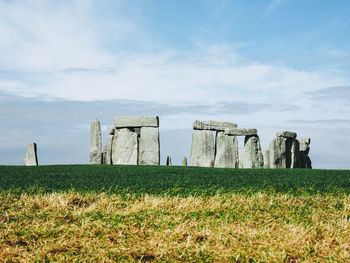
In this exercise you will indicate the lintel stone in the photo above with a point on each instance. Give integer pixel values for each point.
(135, 121)
(241, 132)
(286, 134)
(213, 125)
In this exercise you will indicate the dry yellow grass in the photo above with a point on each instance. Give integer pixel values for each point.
(260, 227)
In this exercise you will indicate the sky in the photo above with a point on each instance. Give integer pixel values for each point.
(270, 64)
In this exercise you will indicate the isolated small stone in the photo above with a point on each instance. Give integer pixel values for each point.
(184, 161)
(31, 158)
(168, 161)
(202, 149)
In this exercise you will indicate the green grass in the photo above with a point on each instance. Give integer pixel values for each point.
(170, 180)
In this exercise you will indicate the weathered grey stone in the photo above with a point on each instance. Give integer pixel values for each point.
(107, 152)
(202, 149)
(226, 151)
(213, 125)
(124, 147)
(31, 158)
(95, 143)
(266, 155)
(240, 157)
(278, 153)
(104, 154)
(241, 132)
(110, 130)
(305, 161)
(135, 121)
(252, 156)
(149, 146)
(168, 161)
(286, 134)
(184, 161)
(292, 153)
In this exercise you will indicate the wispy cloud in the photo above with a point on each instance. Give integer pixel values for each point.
(273, 4)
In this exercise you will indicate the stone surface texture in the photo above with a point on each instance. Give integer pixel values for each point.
(136, 121)
(278, 153)
(286, 134)
(304, 148)
(226, 149)
(240, 157)
(292, 153)
(168, 161)
(266, 156)
(213, 125)
(95, 143)
(31, 158)
(124, 147)
(110, 130)
(252, 155)
(184, 161)
(107, 154)
(149, 152)
(202, 149)
(241, 132)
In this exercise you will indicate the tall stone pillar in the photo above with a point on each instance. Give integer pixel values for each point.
(202, 149)
(266, 155)
(149, 153)
(292, 153)
(95, 143)
(252, 155)
(305, 161)
(226, 151)
(278, 153)
(124, 147)
(31, 158)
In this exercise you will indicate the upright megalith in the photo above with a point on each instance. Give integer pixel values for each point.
(31, 158)
(184, 161)
(266, 156)
(278, 153)
(95, 143)
(304, 149)
(202, 149)
(125, 147)
(292, 153)
(252, 156)
(149, 152)
(168, 161)
(226, 151)
(107, 153)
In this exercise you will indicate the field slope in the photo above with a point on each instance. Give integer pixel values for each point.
(173, 214)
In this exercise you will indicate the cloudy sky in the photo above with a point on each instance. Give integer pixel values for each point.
(268, 64)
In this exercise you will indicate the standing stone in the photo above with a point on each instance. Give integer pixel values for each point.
(278, 153)
(202, 149)
(184, 161)
(95, 143)
(149, 153)
(226, 149)
(240, 157)
(104, 154)
(107, 154)
(266, 155)
(124, 147)
(31, 158)
(252, 156)
(292, 153)
(168, 161)
(305, 161)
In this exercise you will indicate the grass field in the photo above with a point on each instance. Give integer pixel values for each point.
(171, 214)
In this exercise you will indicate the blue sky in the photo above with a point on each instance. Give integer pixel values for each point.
(271, 65)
